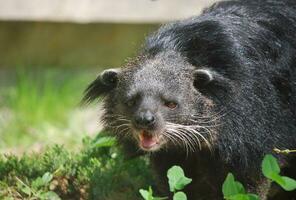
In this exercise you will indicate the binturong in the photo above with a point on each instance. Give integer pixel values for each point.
(213, 94)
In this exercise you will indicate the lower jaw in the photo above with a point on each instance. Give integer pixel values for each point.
(153, 148)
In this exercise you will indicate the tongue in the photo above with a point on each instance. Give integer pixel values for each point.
(147, 141)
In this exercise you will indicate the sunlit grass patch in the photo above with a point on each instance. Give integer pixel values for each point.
(97, 171)
(42, 106)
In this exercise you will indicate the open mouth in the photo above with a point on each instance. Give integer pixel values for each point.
(148, 141)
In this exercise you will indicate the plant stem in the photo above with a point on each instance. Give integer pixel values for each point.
(285, 151)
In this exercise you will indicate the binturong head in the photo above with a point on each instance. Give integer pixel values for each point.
(159, 102)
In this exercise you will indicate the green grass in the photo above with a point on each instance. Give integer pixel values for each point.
(40, 112)
(40, 107)
(96, 172)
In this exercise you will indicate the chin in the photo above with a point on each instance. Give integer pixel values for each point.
(154, 148)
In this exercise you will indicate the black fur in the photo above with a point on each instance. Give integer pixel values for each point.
(249, 47)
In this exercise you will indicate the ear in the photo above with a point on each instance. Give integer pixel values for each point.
(202, 77)
(103, 84)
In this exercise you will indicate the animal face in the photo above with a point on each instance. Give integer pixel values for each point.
(159, 103)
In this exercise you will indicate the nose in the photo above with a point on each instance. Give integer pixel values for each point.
(144, 119)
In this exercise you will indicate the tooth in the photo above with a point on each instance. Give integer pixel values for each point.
(141, 136)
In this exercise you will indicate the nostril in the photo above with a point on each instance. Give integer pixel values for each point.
(145, 119)
(149, 119)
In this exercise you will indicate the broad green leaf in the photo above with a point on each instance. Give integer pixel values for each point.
(159, 198)
(277, 178)
(180, 196)
(238, 197)
(240, 187)
(243, 197)
(270, 166)
(228, 187)
(177, 179)
(105, 142)
(144, 194)
(148, 195)
(289, 184)
(253, 197)
(231, 187)
(271, 170)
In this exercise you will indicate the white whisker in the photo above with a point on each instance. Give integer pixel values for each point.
(189, 135)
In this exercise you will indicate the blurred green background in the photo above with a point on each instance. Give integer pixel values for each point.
(50, 50)
(44, 68)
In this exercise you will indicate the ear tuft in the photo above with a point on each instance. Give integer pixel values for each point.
(103, 84)
(202, 77)
(110, 76)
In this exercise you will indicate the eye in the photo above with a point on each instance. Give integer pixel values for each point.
(133, 100)
(170, 104)
(130, 102)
